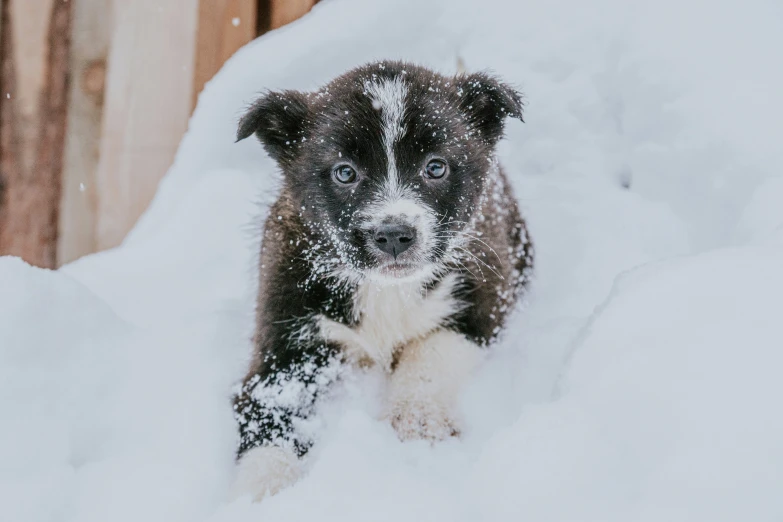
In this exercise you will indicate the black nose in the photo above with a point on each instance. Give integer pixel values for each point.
(394, 239)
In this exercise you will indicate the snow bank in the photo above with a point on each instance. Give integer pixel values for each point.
(668, 408)
(638, 384)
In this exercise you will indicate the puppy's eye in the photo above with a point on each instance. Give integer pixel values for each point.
(344, 174)
(436, 169)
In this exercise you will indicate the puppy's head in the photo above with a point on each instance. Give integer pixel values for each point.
(386, 163)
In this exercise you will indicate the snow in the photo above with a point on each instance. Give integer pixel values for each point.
(640, 382)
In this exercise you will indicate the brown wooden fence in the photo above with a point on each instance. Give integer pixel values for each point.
(94, 98)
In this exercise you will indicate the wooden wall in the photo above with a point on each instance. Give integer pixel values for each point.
(91, 34)
(146, 109)
(34, 77)
(94, 98)
(223, 27)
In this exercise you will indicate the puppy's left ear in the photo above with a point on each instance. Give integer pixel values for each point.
(487, 102)
(279, 120)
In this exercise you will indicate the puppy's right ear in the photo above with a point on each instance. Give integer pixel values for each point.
(279, 120)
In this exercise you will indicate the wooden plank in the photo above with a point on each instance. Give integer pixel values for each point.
(89, 52)
(34, 86)
(223, 27)
(286, 11)
(149, 90)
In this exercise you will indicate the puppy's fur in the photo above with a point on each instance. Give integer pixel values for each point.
(395, 243)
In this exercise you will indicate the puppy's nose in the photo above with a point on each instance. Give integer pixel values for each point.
(394, 239)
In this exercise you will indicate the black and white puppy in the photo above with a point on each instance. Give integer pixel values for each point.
(396, 244)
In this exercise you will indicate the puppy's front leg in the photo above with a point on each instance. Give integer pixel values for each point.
(425, 384)
(273, 410)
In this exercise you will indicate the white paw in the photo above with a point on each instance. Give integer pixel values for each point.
(422, 420)
(265, 470)
(425, 385)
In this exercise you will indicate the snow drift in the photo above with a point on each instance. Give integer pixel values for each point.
(639, 383)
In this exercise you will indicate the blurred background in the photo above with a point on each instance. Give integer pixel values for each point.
(95, 97)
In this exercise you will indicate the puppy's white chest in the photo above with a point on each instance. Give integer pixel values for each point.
(389, 316)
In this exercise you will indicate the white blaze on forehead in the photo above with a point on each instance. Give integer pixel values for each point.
(394, 200)
(388, 96)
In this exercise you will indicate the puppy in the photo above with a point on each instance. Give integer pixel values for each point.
(395, 243)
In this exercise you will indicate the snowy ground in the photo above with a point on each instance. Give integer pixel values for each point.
(641, 383)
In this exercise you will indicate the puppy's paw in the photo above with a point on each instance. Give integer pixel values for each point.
(413, 420)
(265, 470)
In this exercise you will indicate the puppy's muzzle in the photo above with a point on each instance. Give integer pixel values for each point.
(394, 239)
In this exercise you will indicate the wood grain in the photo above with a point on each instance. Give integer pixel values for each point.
(34, 80)
(91, 32)
(223, 27)
(148, 100)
